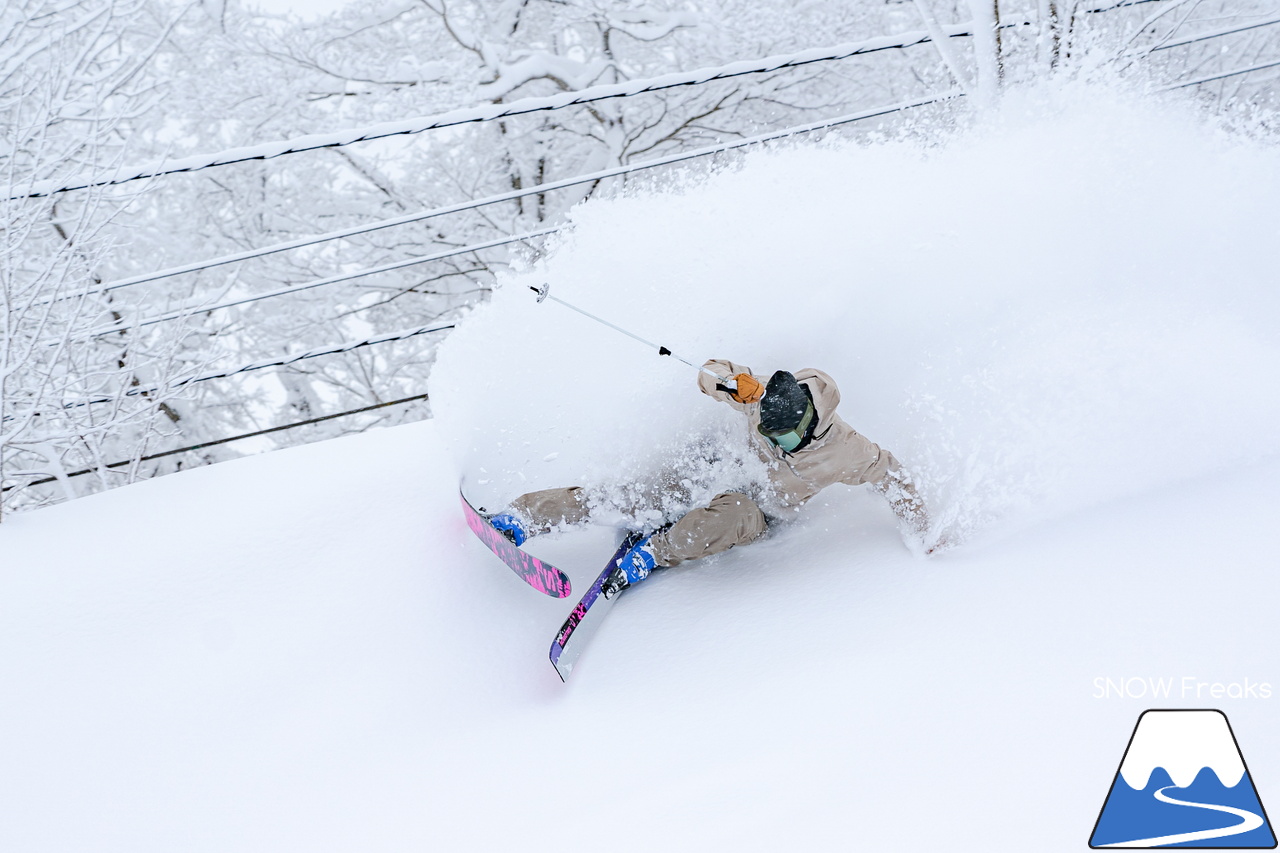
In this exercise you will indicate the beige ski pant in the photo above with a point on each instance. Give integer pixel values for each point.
(730, 519)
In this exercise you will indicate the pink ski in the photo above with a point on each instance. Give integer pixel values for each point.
(540, 575)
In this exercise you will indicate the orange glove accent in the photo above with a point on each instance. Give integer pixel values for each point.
(749, 389)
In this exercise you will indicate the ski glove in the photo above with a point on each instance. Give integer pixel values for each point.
(749, 389)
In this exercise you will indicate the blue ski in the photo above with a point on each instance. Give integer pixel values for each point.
(584, 620)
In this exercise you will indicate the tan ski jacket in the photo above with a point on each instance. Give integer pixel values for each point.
(836, 454)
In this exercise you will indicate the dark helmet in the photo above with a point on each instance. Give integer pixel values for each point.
(787, 416)
(785, 403)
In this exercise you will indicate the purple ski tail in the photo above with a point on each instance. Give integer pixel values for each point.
(540, 575)
(585, 618)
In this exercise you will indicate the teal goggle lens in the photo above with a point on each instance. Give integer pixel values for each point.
(789, 439)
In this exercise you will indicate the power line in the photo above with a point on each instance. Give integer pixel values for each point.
(1213, 34)
(394, 336)
(905, 40)
(1221, 76)
(220, 441)
(320, 282)
(281, 361)
(513, 194)
(491, 112)
(1122, 5)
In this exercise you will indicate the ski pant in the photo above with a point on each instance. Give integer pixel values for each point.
(730, 519)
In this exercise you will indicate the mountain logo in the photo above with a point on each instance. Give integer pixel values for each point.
(1183, 783)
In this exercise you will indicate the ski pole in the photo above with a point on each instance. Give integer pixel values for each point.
(544, 292)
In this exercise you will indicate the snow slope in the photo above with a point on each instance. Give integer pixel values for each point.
(310, 651)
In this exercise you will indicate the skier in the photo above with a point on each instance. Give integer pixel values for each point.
(795, 430)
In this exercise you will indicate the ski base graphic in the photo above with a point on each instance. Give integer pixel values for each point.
(584, 620)
(540, 575)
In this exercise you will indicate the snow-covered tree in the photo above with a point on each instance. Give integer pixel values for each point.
(241, 78)
(147, 79)
(70, 73)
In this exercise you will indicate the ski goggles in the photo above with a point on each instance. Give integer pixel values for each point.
(789, 439)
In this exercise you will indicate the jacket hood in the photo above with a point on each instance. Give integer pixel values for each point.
(826, 396)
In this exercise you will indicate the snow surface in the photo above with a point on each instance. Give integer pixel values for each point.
(1065, 320)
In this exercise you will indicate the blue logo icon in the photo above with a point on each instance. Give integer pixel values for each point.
(1183, 783)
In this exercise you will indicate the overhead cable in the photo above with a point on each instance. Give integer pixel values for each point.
(536, 189)
(320, 282)
(1213, 34)
(219, 441)
(402, 335)
(408, 333)
(490, 112)
(1223, 75)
